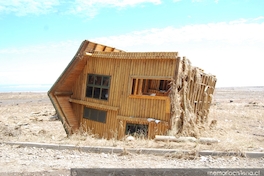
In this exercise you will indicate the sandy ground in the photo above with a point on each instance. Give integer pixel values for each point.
(28, 117)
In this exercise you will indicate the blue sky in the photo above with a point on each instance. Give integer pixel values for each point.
(38, 38)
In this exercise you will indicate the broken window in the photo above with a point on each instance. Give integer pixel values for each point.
(94, 114)
(150, 87)
(136, 129)
(98, 86)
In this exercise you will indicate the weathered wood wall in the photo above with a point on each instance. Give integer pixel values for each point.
(131, 109)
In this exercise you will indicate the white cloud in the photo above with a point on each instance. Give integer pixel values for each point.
(233, 32)
(25, 7)
(233, 51)
(80, 7)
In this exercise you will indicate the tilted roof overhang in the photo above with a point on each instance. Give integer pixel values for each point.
(75, 67)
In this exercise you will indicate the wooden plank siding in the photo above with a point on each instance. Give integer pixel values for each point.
(60, 113)
(106, 130)
(68, 112)
(122, 71)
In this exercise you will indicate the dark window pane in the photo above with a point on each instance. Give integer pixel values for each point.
(89, 91)
(102, 116)
(95, 115)
(133, 86)
(96, 93)
(86, 113)
(105, 81)
(104, 95)
(161, 87)
(98, 80)
(91, 79)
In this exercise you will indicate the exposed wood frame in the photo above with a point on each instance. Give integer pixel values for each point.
(62, 93)
(136, 87)
(139, 88)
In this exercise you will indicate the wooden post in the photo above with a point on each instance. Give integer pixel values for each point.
(140, 87)
(135, 86)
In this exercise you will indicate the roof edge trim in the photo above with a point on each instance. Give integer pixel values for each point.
(85, 42)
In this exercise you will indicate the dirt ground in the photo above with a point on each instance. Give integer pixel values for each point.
(29, 117)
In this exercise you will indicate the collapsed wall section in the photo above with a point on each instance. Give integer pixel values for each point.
(191, 97)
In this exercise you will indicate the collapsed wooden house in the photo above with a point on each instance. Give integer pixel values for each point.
(113, 93)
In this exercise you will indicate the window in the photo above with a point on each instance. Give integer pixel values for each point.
(136, 129)
(97, 86)
(94, 114)
(151, 87)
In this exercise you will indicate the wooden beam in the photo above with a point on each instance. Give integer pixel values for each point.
(135, 86)
(146, 87)
(165, 98)
(140, 87)
(138, 119)
(62, 93)
(152, 77)
(94, 105)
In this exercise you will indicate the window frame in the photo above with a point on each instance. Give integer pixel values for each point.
(139, 86)
(92, 85)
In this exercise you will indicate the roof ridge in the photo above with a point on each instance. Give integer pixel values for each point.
(134, 55)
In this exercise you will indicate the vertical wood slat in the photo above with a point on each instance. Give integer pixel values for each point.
(140, 87)
(136, 87)
(204, 94)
